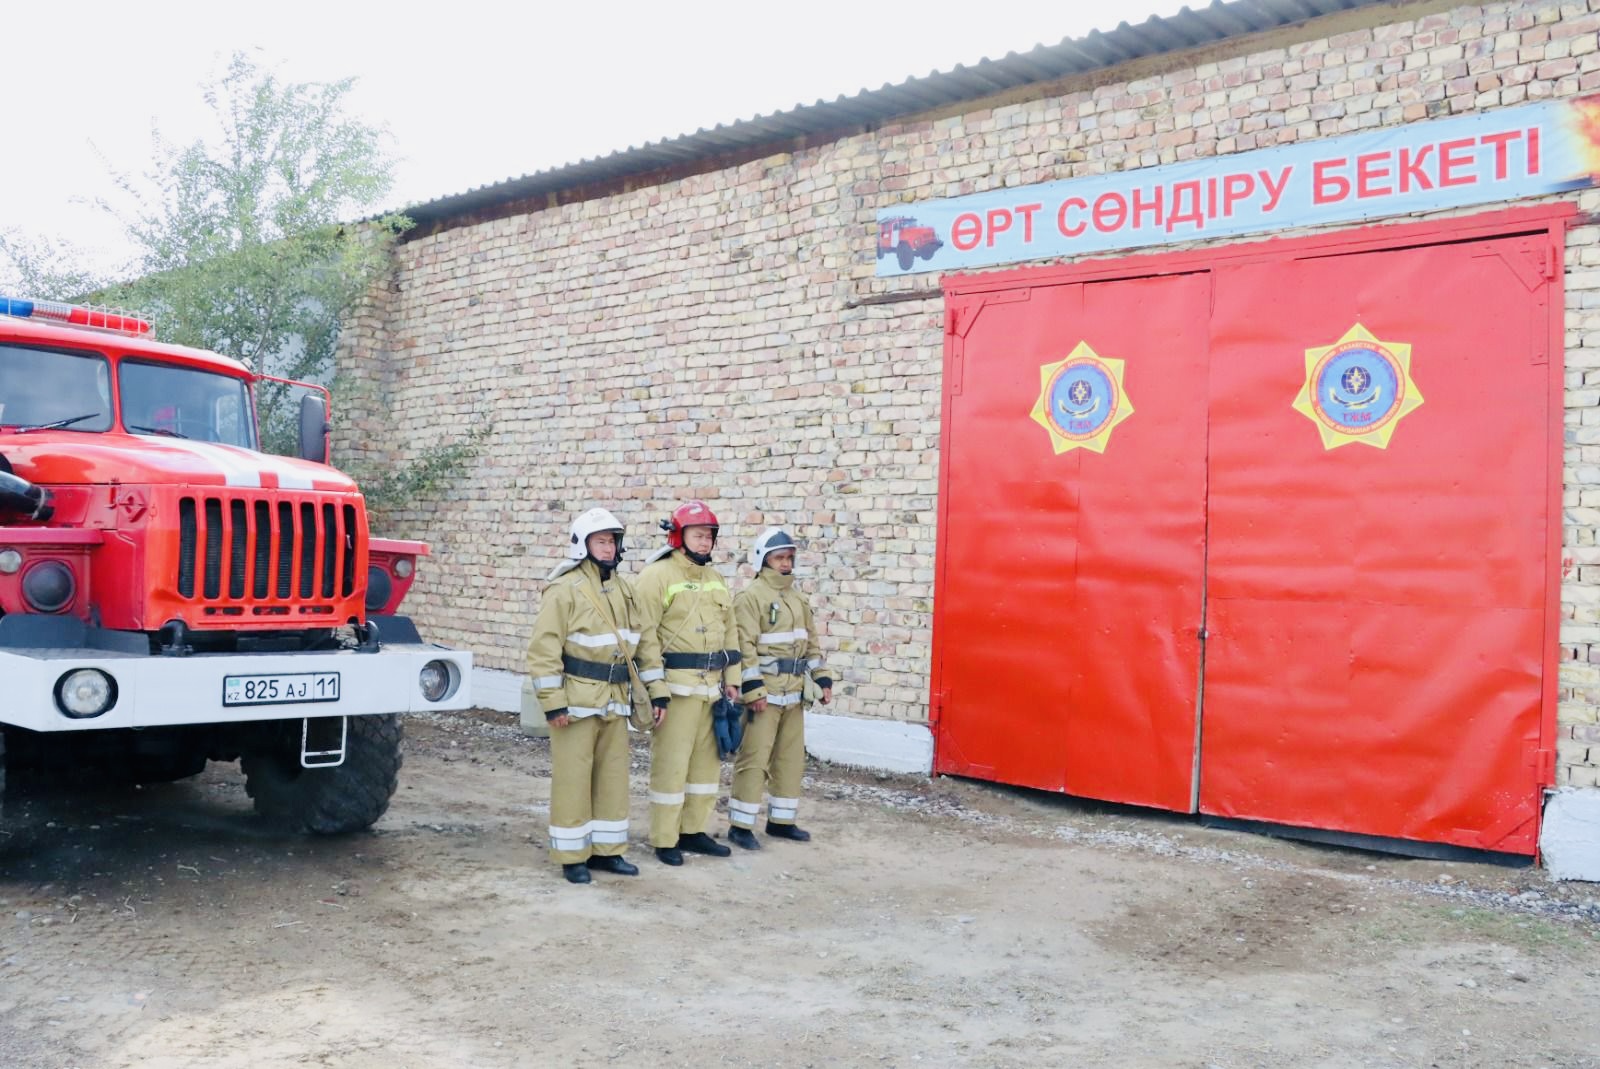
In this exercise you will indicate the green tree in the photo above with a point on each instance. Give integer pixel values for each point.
(244, 244)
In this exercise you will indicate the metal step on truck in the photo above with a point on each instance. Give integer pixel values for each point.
(170, 595)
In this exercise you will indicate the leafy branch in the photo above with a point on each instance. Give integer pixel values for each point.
(243, 247)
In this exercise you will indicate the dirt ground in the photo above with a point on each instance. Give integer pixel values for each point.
(928, 924)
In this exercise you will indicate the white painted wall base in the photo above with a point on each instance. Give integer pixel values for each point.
(493, 688)
(879, 745)
(1570, 838)
(1570, 841)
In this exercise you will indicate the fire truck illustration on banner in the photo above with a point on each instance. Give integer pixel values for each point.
(902, 237)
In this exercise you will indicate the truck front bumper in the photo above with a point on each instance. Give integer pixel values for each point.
(156, 691)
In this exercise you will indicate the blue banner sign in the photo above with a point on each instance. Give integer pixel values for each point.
(1497, 155)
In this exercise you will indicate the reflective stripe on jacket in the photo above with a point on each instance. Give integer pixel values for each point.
(777, 641)
(685, 608)
(571, 626)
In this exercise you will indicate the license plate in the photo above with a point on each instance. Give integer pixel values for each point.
(288, 688)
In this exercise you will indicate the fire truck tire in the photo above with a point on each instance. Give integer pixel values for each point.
(2, 773)
(904, 254)
(329, 801)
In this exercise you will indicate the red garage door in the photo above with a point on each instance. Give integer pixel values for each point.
(1377, 590)
(1332, 457)
(1071, 602)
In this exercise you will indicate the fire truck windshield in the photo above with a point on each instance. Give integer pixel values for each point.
(54, 388)
(184, 402)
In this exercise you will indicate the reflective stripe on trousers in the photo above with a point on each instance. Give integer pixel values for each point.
(743, 814)
(595, 831)
(608, 831)
(779, 811)
(782, 810)
(570, 838)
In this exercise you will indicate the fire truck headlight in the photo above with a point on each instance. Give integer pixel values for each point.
(49, 586)
(10, 562)
(379, 588)
(402, 567)
(85, 692)
(438, 680)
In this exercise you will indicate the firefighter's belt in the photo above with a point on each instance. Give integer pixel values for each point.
(784, 666)
(715, 661)
(614, 672)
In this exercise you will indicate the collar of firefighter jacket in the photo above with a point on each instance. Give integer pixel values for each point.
(692, 576)
(591, 571)
(586, 566)
(702, 572)
(776, 579)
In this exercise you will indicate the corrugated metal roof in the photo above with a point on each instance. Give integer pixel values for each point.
(872, 107)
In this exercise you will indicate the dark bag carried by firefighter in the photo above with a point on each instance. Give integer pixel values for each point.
(727, 724)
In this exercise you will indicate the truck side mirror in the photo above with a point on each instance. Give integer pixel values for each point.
(314, 428)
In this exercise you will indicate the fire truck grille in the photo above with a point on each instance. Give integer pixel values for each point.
(231, 548)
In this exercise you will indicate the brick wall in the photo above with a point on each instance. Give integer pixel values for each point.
(704, 336)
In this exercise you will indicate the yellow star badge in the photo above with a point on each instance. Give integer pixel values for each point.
(1081, 400)
(1358, 389)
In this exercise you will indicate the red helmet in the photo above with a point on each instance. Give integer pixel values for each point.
(689, 514)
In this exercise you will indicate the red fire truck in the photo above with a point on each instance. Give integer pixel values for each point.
(170, 595)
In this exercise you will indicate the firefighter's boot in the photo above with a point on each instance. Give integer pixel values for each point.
(669, 855)
(613, 863)
(792, 832)
(701, 843)
(743, 837)
(576, 873)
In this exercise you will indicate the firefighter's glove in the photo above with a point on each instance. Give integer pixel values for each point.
(727, 724)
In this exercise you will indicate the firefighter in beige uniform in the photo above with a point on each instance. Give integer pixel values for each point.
(588, 628)
(690, 657)
(779, 647)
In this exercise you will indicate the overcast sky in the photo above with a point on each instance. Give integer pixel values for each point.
(471, 92)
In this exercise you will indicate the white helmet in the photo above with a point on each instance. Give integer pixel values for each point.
(592, 522)
(769, 541)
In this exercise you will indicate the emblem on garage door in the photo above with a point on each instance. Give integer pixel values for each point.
(1081, 400)
(1358, 389)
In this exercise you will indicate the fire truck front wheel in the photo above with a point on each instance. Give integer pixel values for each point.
(327, 801)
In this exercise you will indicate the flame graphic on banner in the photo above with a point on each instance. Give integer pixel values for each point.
(1584, 124)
